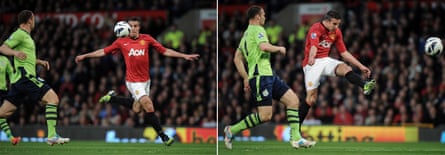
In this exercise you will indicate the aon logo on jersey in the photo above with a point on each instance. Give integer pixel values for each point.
(136, 52)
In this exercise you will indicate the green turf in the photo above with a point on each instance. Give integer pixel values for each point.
(334, 148)
(102, 148)
(239, 148)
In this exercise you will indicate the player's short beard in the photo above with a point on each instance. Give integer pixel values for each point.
(133, 36)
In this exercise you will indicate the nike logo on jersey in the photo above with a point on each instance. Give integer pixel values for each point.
(125, 44)
(136, 52)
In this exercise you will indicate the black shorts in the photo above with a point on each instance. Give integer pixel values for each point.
(27, 87)
(266, 88)
(3, 93)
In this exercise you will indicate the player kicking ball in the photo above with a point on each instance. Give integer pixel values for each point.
(316, 63)
(135, 51)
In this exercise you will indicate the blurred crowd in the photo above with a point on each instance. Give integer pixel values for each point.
(183, 92)
(386, 36)
(176, 8)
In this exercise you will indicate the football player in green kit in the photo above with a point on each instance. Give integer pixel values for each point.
(262, 81)
(25, 82)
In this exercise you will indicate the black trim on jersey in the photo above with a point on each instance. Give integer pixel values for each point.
(321, 22)
(256, 72)
(245, 47)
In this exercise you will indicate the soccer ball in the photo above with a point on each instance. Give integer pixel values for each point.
(433, 46)
(122, 29)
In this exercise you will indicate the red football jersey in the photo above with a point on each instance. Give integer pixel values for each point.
(136, 56)
(323, 39)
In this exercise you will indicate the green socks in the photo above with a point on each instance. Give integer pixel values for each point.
(250, 121)
(5, 127)
(51, 119)
(294, 123)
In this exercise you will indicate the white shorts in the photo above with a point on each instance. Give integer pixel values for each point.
(322, 66)
(138, 89)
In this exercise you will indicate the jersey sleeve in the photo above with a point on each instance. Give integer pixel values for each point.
(158, 46)
(339, 43)
(14, 40)
(261, 36)
(9, 69)
(313, 36)
(240, 48)
(113, 48)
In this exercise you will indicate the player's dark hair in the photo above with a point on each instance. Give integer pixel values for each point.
(134, 18)
(331, 14)
(253, 11)
(24, 16)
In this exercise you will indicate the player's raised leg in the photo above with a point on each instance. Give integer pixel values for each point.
(6, 110)
(107, 97)
(112, 98)
(346, 71)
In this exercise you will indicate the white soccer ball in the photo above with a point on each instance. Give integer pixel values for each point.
(122, 29)
(433, 46)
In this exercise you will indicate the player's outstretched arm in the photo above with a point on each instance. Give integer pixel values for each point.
(351, 59)
(173, 53)
(265, 46)
(239, 64)
(95, 54)
(8, 51)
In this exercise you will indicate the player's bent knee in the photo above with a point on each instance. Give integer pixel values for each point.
(265, 117)
(343, 69)
(7, 109)
(6, 114)
(310, 100)
(150, 108)
(136, 107)
(145, 100)
(294, 105)
(50, 97)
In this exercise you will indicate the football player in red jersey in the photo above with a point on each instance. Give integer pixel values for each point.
(316, 63)
(134, 48)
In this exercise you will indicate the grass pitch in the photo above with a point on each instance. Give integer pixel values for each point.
(239, 148)
(102, 148)
(334, 148)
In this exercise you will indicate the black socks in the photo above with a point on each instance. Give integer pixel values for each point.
(125, 101)
(303, 110)
(156, 125)
(354, 79)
